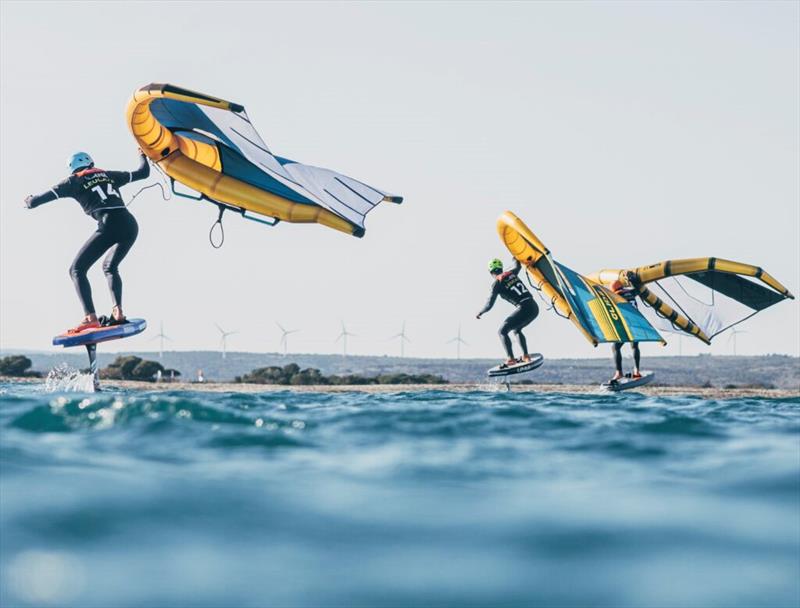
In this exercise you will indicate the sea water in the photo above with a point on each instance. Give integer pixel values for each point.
(434, 498)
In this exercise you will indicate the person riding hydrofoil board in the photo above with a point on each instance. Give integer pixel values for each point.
(509, 287)
(629, 293)
(97, 191)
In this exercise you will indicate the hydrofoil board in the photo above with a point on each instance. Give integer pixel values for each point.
(626, 382)
(101, 334)
(523, 366)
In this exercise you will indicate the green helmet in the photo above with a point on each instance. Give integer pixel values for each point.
(496, 265)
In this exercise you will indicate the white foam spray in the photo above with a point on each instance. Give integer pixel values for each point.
(63, 378)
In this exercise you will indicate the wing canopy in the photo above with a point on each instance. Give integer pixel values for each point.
(607, 316)
(599, 314)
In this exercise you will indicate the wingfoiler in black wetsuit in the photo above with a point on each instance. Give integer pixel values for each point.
(509, 287)
(97, 191)
(616, 348)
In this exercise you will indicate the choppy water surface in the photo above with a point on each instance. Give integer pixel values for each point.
(434, 498)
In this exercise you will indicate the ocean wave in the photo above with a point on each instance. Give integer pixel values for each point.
(421, 497)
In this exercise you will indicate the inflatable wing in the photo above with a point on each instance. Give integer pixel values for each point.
(210, 146)
(598, 313)
(701, 297)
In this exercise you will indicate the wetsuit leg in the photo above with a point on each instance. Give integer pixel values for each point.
(523, 343)
(91, 251)
(124, 228)
(527, 313)
(636, 354)
(616, 348)
(506, 341)
(515, 322)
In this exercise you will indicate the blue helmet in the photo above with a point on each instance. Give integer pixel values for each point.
(80, 160)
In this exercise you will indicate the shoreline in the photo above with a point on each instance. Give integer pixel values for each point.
(578, 389)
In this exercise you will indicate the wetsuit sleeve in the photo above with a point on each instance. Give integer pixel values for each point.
(517, 267)
(126, 177)
(62, 189)
(492, 298)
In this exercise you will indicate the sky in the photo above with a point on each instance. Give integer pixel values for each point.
(623, 134)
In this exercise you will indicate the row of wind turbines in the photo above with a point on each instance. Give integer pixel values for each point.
(285, 333)
(401, 337)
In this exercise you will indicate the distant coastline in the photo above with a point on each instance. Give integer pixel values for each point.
(706, 371)
(579, 389)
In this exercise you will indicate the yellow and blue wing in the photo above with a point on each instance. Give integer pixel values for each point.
(606, 316)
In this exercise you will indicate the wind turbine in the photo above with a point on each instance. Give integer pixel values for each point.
(458, 342)
(224, 339)
(285, 337)
(403, 339)
(735, 331)
(343, 337)
(162, 337)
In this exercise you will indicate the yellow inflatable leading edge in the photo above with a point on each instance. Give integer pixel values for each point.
(209, 145)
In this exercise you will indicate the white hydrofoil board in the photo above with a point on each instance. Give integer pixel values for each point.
(501, 370)
(626, 382)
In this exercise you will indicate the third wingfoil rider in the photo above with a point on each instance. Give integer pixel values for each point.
(97, 191)
(508, 286)
(629, 293)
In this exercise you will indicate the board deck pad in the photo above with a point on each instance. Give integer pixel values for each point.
(536, 361)
(626, 382)
(101, 334)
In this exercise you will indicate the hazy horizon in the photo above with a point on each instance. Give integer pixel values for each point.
(622, 133)
(596, 354)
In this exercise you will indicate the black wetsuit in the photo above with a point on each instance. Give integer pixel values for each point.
(513, 290)
(97, 191)
(630, 295)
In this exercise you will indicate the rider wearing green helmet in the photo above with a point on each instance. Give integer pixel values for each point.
(508, 286)
(495, 266)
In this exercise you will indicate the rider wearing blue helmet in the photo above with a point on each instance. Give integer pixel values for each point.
(97, 191)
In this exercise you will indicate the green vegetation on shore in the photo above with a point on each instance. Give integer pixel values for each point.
(292, 375)
(135, 368)
(17, 366)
